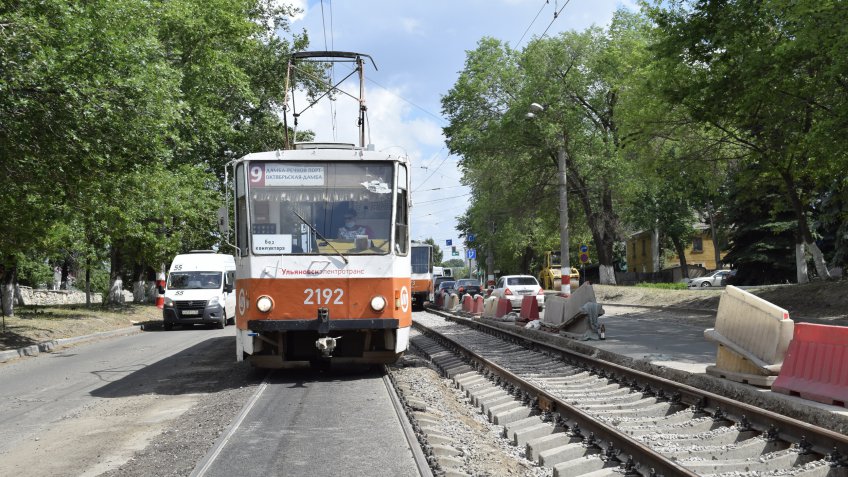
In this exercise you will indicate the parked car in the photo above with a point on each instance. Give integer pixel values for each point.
(515, 287)
(468, 286)
(714, 279)
(445, 288)
(440, 279)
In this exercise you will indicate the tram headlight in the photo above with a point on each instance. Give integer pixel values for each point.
(264, 303)
(378, 303)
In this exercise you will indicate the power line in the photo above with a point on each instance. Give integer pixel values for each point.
(531, 23)
(444, 198)
(556, 15)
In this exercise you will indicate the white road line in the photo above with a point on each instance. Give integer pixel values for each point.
(210, 457)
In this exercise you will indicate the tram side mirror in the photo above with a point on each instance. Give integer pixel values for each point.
(223, 220)
(228, 288)
(161, 290)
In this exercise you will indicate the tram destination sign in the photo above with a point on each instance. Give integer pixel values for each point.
(276, 174)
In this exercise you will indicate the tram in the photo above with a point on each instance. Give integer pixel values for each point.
(323, 251)
(422, 274)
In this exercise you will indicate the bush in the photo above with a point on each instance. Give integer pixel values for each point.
(664, 286)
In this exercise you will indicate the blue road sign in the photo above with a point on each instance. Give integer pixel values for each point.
(584, 248)
(472, 253)
(448, 242)
(471, 237)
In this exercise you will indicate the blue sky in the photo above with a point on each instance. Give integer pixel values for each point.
(419, 48)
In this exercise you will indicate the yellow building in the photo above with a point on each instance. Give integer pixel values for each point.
(699, 252)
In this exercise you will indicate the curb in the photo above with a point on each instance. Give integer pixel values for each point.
(666, 308)
(49, 346)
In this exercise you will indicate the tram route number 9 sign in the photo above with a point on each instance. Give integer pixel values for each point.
(276, 174)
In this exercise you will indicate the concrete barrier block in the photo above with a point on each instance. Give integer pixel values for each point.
(479, 305)
(467, 303)
(555, 310)
(581, 296)
(752, 335)
(529, 308)
(504, 308)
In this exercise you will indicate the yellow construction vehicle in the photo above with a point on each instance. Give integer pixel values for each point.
(550, 276)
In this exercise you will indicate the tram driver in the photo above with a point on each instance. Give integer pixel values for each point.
(351, 228)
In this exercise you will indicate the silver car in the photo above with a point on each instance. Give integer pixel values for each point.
(712, 280)
(515, 287)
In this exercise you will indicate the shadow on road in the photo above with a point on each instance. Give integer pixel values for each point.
(207, 367)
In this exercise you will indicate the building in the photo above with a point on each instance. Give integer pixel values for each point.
(699, 252)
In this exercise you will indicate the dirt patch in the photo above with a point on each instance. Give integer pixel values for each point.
(819, 302)
(33, 325)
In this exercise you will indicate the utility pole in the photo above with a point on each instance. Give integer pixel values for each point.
(563, 219)
(562, 157)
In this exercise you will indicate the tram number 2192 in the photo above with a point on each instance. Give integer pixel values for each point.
(323, 296)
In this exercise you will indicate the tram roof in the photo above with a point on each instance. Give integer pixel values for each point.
(325, 152)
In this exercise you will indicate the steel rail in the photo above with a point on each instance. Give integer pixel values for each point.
(616, 442)
(773, 425)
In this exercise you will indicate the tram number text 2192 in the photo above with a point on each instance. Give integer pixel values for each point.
(323, 296)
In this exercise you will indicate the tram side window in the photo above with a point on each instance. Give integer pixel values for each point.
(241, 212)
(402, 223)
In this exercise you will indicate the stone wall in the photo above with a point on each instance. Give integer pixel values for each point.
(57, 297)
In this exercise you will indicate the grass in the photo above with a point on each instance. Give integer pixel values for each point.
(36, 324)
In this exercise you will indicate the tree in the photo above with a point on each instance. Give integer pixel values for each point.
(757, 73)
(438, 255)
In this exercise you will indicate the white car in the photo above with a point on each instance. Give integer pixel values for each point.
(712, 280)
(515, 287)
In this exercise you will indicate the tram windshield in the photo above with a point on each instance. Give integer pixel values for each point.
(320, 207)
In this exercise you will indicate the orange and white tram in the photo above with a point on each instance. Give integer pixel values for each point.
(323, 264)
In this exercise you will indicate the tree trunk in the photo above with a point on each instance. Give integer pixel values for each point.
(87, 282)
(803, 236)
(116, 284)
(714, 235)
(681, 254)
(801, 275)
(655, 249)
(7, 296)
(64, 283)
(139, 287)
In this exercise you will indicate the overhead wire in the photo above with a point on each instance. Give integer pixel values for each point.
(531, 23)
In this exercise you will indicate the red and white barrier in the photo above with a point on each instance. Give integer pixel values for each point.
(160, 287)
(816, 365)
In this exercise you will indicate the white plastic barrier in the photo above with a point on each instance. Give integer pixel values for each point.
(490, 305)
(752, 336)
(452, 302)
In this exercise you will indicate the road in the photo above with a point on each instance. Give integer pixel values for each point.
(156, 403)
(86, 409)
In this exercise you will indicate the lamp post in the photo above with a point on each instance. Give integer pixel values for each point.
(565, 284)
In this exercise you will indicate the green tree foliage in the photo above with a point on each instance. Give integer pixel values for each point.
(438, 255)
(511, 164)
(765, 75)
(116, 118)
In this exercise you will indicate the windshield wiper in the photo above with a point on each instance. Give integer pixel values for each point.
(320, 236)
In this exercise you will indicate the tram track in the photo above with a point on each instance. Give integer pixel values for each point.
(577, 414)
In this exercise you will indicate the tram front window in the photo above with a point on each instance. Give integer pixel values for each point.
(318, 208)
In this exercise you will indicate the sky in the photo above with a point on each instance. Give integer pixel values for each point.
(419, 48)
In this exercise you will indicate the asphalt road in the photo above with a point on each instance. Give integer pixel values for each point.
(306, 423)
(103, 399)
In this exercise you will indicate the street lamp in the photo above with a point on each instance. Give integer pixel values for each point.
(565, 283)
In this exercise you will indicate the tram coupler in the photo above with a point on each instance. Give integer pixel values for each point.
(326, 345)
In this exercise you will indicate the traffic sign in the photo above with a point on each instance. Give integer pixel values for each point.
(584, 248)
(448, 242)
(471, 237)
(471, 253)
(584, 258)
